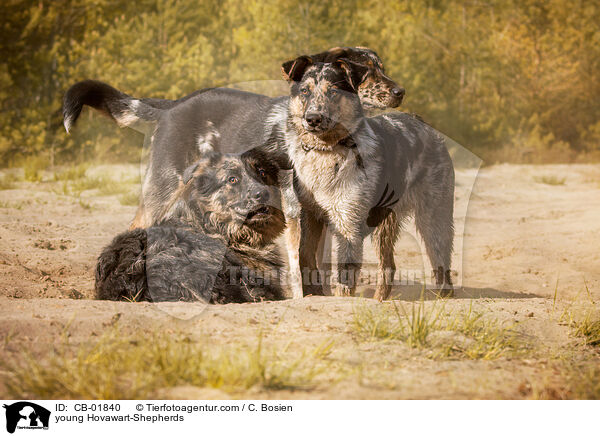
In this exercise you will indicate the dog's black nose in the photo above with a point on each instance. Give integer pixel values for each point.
(398, 92)
(313, 119)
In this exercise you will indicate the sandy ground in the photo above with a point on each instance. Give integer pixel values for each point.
(521, 243)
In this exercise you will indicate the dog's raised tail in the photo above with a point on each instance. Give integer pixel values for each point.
(124, 109)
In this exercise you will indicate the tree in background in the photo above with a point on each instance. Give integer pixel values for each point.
(510, 80)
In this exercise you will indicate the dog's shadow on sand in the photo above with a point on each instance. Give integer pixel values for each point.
(416, 292)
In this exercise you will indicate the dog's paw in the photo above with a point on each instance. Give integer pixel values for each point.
(381, 294)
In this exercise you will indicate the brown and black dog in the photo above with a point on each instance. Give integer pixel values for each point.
(214, 245)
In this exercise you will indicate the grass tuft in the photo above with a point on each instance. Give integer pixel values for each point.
(550, 180)
(419, 323)
(486, 339)
(126, 368)
(387, 322)
(584, 321)
(466, 334)
(587, 327)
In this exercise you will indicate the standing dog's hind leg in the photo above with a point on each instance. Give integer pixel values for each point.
(324, 257)
(436, 226)
(384, 239)
(310, 232)
(349, 264)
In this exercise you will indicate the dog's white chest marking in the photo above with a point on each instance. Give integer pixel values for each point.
(337, 182)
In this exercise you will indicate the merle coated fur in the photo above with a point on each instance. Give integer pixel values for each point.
(215, 244)
(224, 120)
(364, 175)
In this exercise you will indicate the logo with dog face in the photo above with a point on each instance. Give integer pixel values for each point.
(26, 415)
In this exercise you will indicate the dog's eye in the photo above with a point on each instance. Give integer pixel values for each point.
(262, 173)
(305, 91)
(233, 180)
(333, 91)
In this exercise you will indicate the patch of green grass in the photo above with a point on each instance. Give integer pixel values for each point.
(583, 318)
(586, 326)
(589, 329)
(418, 323)
(466, 334)
(130, 199)
(375, 323)
(120, 367)
(485, 339)
(550, 180)
(393, 322)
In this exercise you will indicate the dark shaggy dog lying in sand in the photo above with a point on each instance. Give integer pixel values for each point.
(215, 244)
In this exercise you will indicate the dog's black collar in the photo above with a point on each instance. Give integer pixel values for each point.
(347, 142)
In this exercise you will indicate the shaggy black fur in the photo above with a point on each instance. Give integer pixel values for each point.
(175, 262)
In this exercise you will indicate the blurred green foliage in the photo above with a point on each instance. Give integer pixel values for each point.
(510, 80)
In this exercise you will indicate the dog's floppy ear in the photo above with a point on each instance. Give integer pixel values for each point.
(355, 72)
(294, 70)
(255, 159)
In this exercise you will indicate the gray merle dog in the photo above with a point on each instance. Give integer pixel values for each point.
(363, 175)
(214, 244)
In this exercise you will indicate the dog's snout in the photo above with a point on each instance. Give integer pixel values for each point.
(259, 194)
(313, 119)
(398, 92)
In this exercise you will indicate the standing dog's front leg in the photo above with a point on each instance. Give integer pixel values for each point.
(291, 210)
(292, 236)
(350, 251)
(310, 233)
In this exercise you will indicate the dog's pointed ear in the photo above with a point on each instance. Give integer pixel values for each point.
(355, 72)
(294, 70)
(189, 173)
